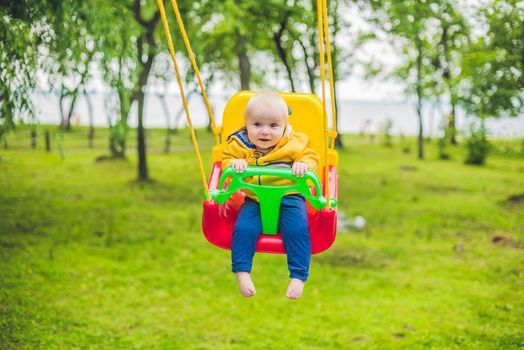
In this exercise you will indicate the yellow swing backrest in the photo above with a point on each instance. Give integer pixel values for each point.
(306, 117)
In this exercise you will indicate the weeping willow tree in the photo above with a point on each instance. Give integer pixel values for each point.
(22, 31)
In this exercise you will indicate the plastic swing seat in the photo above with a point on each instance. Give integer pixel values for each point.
(219, 214)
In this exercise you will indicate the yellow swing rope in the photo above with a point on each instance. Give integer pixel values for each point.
(320, 18)
(174, 4)
(182, 94)
(333, 133)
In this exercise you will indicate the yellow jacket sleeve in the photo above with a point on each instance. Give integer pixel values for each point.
(309, 157)
(233, 150)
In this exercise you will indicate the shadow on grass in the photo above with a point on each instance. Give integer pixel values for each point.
(155, 191)
(354, 258)
(515, 200)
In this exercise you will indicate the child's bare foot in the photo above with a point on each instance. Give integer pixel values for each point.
(247, 288)
(295, 288)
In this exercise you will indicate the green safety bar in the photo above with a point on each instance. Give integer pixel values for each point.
(269, 195)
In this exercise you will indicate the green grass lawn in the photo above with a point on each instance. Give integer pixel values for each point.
(91, 259)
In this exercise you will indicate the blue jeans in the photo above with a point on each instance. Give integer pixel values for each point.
(293, 225)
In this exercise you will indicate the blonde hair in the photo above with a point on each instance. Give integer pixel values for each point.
(267, 103)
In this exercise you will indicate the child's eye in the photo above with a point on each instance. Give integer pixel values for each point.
(257, 124)
(274, 125)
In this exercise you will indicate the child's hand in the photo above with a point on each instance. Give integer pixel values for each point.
(299, 169)
(239, 165)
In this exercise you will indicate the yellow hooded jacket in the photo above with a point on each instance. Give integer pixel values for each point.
(293, 147)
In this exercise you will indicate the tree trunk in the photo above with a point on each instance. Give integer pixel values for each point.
(91, 134)
(419, 101)
(313, 40)
(310, 67)
(47, 141)
(167, 143)
(245, 71)
(125, 107)
(338, 140)
(207, 82)
(71, 108)
(311, 61)
(75, 92)
(452, 124)
(334, 62)
(181, 112)
(145, 68)
(115, 153)
(447, 77)
(142, 161)
(277, 39)
(243, 62)
(63, 94)
(179, 116)
(33, 138)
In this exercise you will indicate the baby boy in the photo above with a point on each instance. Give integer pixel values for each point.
(269, 140)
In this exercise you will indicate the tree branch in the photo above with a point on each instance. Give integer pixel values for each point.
(141, 20)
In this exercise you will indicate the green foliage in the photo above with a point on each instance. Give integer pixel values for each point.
(477, 145)
(223, 31)
(476, 66)
(493, 67)
(405, 24)
(282, 35)
(19, 41)
(409, 28)
(92, 259)
(118, 62)
(115, 36)
(70, 46)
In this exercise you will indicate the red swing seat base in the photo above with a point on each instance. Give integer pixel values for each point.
(218, 220)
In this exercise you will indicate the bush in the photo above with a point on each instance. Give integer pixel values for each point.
(442, 142)
(477, 146)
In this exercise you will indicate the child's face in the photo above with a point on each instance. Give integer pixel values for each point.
(265, 130)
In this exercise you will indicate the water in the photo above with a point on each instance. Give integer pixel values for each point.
(354, 116)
